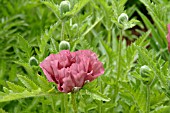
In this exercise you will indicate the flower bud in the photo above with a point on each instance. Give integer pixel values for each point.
(64, 7)
(33, 61)
(64, 45)
(123, 18)
(144, 71)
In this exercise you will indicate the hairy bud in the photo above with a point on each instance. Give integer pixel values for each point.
(64, 45)
(123, 18)
(145, 72)
(33, 61)
(64, 7)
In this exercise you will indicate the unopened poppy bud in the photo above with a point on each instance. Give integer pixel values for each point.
(64, 45)
(123, 18)
(144, 71)
(64, 7)
(33, 61)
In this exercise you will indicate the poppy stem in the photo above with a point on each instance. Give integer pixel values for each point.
(62, 104)
(118, 66)
(62, 31)
(73, 99)
(100, 103)
(148, 99)
(109, 37)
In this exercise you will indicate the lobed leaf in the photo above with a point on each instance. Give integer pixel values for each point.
(43, 83)
(27, 82)
(14, 87)
(77, 7)
(24, 94)
(97, 95)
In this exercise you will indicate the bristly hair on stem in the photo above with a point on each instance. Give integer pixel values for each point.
(74, 102)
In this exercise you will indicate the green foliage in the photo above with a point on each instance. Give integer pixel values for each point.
(158, 13)
(34, 29)
(77, 7)
(30, 89)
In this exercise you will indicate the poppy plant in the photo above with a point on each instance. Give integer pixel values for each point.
(71, 70)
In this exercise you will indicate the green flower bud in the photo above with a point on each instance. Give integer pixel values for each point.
(145, 72)
(123, 18)
(64, 45)
(64, 7)
(33, 61)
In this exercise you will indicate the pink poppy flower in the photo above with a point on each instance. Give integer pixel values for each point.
(168, 37)
(72, 69)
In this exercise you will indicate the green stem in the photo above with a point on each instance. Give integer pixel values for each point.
(109, 37)
(118, 66)
(148, 99)
(73, 99)
(62, 31)
(62, 103)
(100, 103)
(119, 57)
(65, 103)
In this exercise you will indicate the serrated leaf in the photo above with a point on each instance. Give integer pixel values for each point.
(108, 51)
(155, 10)
(6, 90)
(156, 36)
(2, 94)
(44, 84)
(27, 67)
(97, 95)
(90, 84)
(14, 87)
(90, 107)
(27, 82)
(53, 7)
(16, 96)
(162, 109)
(24, 45)
(77, 7)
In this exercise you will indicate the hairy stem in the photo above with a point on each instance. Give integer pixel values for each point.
(148, 99)
(65, 103)
(62, 103)
(62, 31)
(109, 37)
(100, 103)
(118, 66)
(73, 99)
